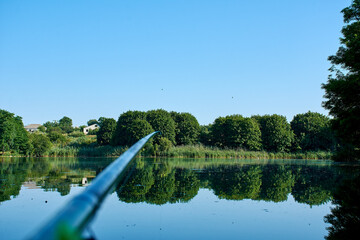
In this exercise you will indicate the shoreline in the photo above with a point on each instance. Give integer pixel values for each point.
(195, 152)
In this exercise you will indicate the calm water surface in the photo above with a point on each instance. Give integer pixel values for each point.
(188, 199)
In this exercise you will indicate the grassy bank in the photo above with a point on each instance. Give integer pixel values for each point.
(210, 152)
(197, 151)
(184, 152)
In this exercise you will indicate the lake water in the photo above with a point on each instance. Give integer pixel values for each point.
(188, 198)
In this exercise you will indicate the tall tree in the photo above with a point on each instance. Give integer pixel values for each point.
(342, 90)
(276, 132)
(187, 128)
(235, 131)
(161, 120)
(312, 132)
(66, 124)
(13, 135)
(106, 131)
(123, 132)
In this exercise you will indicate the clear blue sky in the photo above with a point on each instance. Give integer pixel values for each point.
(85, 59)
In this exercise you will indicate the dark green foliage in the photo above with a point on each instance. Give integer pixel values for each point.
(313, 132)
(66, 124)
(187, 128)
(276, 133)
(205, 135)
(52, 124)
(138, 185)
(12, 176)
(76, 134)
(277, 184)
(251, 134)
(314, 185)
(236, 131)
(187, 185)
(123, 132)
(163, 188)
(40, 143)
(106, 131)
(93, 131)
(13, 136)
(161, 120)
(164, 144)
(345, 217)
(239, 184)
(42, 129)
(342, 90)
(92, 121)
(57, 138)
(137, 130)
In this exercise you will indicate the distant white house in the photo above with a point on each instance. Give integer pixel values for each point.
(32, 127)
(91, 127)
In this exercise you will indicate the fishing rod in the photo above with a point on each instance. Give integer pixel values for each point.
(71, 220)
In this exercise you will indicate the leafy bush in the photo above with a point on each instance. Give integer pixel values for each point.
(40, 144)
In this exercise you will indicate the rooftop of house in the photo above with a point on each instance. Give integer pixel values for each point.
(32, 126)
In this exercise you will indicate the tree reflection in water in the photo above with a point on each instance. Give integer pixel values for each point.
(166, 181)
(345, 217)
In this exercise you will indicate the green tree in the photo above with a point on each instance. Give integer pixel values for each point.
(251, 134)
(342, 90)
(205, 135)
(57, 138)
(137, 130)
(92, 121)
(313, 132)
(40, 143)
(42, 129)
(52, 124)
(13, 135)
(161, 120)
(187, 128)
(106, 131)
(164, 144)
(235, 131)
(276, 133)
(66, 124)
(123, 132)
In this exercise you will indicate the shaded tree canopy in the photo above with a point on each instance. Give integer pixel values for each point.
(41, 144)
(345, 216)
(205, 135)
(92, 121)
(312, 132)
(66, 124)
(161, 120)
(235, 131)
(106, 131)
(13, 135)
(122, 134)
(342, 90)
(276, 132)
(187, 128)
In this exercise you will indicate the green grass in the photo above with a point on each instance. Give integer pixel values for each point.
(98, 151)
(199, 151)
(86, 147)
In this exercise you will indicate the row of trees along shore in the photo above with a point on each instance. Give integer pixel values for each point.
(307, 132)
